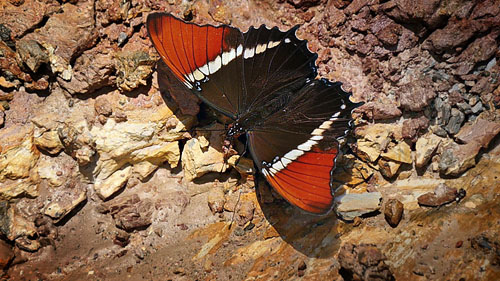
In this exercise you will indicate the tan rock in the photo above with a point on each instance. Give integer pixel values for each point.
(408, 190)
(368, 151)
(351, 171)
(48, 169)
(132, 142)
(65, 201)
(16, 227)
(11, 189)
(456, 158)
(425, 148)
(197, 161)
(109, 186)
(133, 68)
(17, 158)
(388, 168)
(216, 199)
(349, 206)
(400, 153)
(144, 169)
(50, 142)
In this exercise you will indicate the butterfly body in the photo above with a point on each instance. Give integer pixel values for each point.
(264, 81)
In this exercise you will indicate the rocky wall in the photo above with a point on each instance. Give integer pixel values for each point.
(110, 169)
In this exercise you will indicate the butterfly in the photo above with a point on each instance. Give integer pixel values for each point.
(264, 81)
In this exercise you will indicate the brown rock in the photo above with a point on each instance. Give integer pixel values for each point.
(102, 106)
(70, 32)
(8, 63)
(25, 16)
(356, 5)
(93, 70)
(2, 118)
(481, 49)
(379, 111)
(401, 152)
(442, 195)
(122, 238)
(411, 11)
(412, 128)
(129, 212)
(455, 33)
(363, 262)
(386, 30)
(416, 95)
(32, 54)
(482, 131)
(393, 212)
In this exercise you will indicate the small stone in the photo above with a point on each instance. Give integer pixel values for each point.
(349, 206)
(367, 150)
(216, 200)
(102, 106)
(129, 212)
(455, 122)
(388, 168)
(456, 158)
(477, 108)
(442, 195)
(393, 212)
(243, 165)
(64, 202)
(245, 212)
(464, 107)
(109, 186)
(122, 238)
(425, 148)
(49, 142)
(32, 54)
(400, 153)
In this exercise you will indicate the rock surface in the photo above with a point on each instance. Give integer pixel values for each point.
(106, 171)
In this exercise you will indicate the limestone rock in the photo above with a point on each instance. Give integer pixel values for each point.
(425, 148)
(350, 206)
(197, 160)
(77, 140)
(134, 142)
(110, 185)
(400, 153)
(49, 141)
(18, 155)
(144, 169)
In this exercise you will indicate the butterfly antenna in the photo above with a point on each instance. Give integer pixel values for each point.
(235, 208)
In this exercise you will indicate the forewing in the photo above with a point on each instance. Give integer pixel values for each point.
(206, 59)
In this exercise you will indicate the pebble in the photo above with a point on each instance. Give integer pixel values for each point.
(455, 122)
(393, 212)
(350, 206)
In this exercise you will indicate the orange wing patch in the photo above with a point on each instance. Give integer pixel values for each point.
(305, 182)
(185, 47)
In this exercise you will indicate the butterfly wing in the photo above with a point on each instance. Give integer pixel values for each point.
(233, 72)
(206, 59)
(296, 147)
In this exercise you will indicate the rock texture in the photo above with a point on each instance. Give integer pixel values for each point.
(111, 169)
